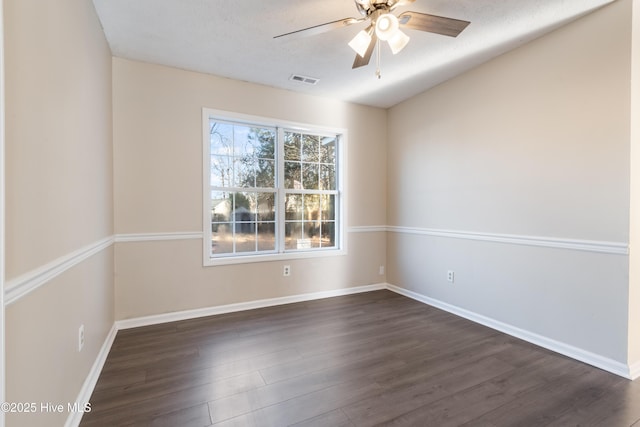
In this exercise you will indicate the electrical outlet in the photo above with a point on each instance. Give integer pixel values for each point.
(286, 271)
(80, 338)
(381, 270)
(450, 276)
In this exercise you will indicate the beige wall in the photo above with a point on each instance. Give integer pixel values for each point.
(158, 189)
(533, 143)
(58, 198)
(634, 241)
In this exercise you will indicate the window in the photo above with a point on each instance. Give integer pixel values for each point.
(272, 189)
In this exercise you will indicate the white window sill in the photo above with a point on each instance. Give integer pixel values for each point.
(212, 262)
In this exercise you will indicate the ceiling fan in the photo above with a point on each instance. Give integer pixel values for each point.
(385, 26)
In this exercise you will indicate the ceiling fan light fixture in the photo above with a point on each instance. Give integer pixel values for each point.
(398, 41)
(386, 26)
(361, 42)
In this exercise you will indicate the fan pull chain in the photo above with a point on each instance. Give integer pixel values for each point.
(378, 73)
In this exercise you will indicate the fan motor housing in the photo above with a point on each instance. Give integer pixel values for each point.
(368, 7)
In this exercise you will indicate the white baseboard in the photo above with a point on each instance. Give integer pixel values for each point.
(92, 378)
(585, 356)
(242, 306)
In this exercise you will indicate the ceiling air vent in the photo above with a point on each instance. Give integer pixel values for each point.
(304, 79)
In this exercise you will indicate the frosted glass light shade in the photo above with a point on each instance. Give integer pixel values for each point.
(398, 41)
(360, 42)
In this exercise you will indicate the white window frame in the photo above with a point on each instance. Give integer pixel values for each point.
(280, 125)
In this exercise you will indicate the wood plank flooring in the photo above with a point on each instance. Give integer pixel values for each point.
(375, 358)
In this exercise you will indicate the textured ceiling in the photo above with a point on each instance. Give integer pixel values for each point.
(235, 39)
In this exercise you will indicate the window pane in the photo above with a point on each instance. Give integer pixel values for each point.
(311, 207)
(241, 144)
(293, 235)
(221, 138)
(312, 233)
(328, 207)
(244, 172)
(266, 236)
(264, 142)
(310, 147)
(328, 234)
(293, 207)
(220, 206)
(243, 206)
(244, 219)
(327, 177)
(292, 175)
(265, 173)
(221, 171)
(310, 176)
(328, 150)
(246, 242)
(221, 238)
(291, 146)
(266, 210)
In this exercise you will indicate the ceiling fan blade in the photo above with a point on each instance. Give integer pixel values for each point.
(361, 61)
(432, 23)
(322, 28)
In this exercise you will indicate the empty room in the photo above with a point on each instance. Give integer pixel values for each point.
(321, 213)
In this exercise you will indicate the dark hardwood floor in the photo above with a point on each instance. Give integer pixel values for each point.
(376, 358)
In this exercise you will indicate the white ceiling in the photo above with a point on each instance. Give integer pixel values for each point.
(234, 38)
